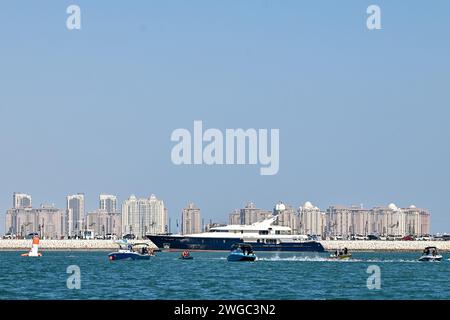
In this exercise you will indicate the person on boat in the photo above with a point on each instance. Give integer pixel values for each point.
(185, 254)
(345, 251)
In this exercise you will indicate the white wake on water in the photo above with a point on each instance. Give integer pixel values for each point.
(324, 259)
(302, 258)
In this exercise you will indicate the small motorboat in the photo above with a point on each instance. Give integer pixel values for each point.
(186, 256)
(430, 254)
(241, 252)
(135, 251)
(341, 255)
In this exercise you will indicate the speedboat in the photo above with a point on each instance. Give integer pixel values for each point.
(341, 255)
(241, 252)
(186, 256)
(135, 251)
(430, 254)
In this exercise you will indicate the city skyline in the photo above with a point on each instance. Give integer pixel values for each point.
(362, 114)
(141, 217)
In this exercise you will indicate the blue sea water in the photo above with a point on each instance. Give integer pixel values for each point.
(279, 276)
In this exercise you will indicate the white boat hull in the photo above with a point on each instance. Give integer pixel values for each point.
(431, 258)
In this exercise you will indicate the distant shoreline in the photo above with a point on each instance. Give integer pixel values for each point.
(393, 246)
(329, 245)
(64, 245)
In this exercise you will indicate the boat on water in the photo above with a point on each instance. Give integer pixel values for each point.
(132, 251)
(34, 251)
(241, 252)
(266, 235)
(186, 256)
(430, 254)
(341, 255)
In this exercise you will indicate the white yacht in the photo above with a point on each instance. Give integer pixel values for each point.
(262, 236)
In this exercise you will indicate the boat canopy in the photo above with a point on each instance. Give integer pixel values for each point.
(143, 244)
(125, 244)
(242, 246)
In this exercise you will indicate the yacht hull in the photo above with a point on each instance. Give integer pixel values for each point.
(177, 243)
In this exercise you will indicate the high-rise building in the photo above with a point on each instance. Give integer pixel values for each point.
(19, 222)
(108, 203)
(311, 220)
(286, 216)
(51, 222)
(385, 221)
(250, 214)
(191, 220)
(75, 215)
(410, 221)
(47, 221)
(104, 223)
(235, 217)
(144, 216)
(21, 200)
(340, 220)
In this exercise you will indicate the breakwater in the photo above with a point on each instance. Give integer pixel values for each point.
(65, 244)
(385, 245)
(328, 245)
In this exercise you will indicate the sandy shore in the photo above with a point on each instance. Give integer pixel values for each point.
(329, 245)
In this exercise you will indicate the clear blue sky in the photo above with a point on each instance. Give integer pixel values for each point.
(363, 115)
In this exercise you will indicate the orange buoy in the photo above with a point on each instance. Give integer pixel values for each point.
(34, 252)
